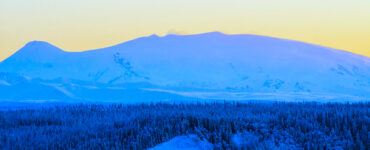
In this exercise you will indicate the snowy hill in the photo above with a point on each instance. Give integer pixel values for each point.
(187, 142)
(211, 65)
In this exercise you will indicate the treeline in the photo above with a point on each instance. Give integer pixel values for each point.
(275, 125)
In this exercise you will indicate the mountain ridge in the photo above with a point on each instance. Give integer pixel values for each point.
(210, 61)
(38, 42)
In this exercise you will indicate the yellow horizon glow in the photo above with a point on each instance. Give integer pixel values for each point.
(77, 25)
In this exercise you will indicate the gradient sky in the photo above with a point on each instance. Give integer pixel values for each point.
(76, 25)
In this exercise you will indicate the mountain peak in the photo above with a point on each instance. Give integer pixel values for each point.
(214, 33)
(38, 44)
(36, 49)
(153, 36)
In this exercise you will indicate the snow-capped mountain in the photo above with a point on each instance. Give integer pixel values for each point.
(211, 65)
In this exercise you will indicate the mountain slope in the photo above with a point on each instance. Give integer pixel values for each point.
(210, 61)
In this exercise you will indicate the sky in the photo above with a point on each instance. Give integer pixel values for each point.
(77, 25)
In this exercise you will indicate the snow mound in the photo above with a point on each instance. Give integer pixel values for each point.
(188, 142)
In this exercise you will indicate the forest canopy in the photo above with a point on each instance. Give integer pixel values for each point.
(228, 125)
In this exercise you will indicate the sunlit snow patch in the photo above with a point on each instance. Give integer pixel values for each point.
(188, 142)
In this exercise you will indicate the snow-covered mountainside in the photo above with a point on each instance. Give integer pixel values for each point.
(211, 65)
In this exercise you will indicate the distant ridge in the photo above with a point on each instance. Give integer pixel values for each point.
(208, 66)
